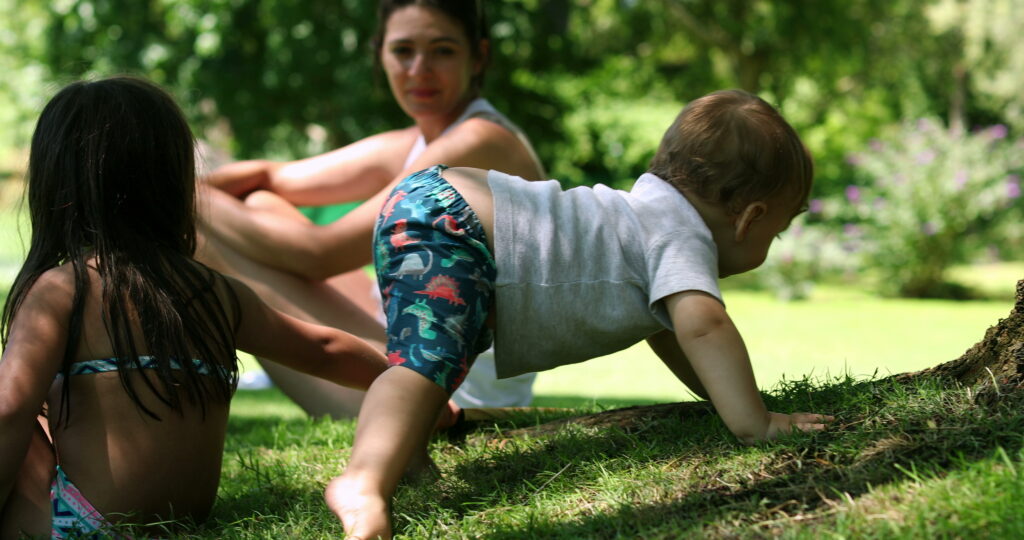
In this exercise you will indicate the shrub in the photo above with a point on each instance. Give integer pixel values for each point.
(805, 254)
(931, 198)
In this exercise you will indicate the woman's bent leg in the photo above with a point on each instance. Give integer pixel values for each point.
(27, 511)
(312, 301)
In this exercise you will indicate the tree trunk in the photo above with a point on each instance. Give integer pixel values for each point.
(996, 360)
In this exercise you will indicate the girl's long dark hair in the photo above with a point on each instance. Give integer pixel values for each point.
(111, 179)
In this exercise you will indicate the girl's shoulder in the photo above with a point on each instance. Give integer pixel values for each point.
(55, 284)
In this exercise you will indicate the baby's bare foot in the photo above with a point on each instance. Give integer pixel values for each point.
(364, 515)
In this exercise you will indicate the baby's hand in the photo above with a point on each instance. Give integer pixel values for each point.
(781, 424)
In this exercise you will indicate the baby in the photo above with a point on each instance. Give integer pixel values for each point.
(557, 277)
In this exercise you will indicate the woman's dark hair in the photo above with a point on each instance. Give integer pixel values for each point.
(468, 13)
(731, 147)
(111, 179)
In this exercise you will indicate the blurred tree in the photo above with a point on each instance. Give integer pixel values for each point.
(22, 86)
(594, 82)
(987, 54)
(275, 70)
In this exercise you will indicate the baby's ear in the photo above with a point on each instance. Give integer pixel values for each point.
(746, 218)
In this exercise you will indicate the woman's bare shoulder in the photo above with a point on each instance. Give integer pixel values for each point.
(483, 144)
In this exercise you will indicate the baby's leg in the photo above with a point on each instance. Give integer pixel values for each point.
(27, 510)
(436, 278)
(396, 420)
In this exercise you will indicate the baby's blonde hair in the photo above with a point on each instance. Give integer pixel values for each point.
(732, 148)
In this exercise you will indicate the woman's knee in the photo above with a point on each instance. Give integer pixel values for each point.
(267, 201)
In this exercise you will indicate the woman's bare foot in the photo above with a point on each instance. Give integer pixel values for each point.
(364, 515)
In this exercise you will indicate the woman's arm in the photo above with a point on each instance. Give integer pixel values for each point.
(351, 173)
(318, 252)
(321, 351)
(30, 362)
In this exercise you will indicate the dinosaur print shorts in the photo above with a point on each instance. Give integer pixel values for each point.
(436, 277)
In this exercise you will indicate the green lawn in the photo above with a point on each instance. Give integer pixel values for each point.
(838, 331)
(917, 461)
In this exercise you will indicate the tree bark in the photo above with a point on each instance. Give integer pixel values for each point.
(997, 360)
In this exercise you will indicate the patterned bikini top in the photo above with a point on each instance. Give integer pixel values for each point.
(103, 365)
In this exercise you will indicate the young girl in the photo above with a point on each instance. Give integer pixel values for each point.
(119, 349)
(562, 276)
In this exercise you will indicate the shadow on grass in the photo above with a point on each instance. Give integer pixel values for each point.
(759, 504)
(796, 476)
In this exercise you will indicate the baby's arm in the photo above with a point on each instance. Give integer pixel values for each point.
(666, 346)
(321, 351)
(31, 360)
(711, 348)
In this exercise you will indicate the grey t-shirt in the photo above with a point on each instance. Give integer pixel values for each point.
(581, 272)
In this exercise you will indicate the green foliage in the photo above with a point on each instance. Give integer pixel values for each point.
(22, 88)
(987, 48)
(932, 197)
(594, 82)
(272, 70)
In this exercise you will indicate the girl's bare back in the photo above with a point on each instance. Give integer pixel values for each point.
(131, 467)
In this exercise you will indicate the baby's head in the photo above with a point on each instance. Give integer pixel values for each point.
(732, 152)
(112, 164)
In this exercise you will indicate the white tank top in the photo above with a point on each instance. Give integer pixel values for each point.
(478, 108)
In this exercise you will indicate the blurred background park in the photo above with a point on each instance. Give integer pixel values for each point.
(912, 109)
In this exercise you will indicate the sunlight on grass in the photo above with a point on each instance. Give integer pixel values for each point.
(840, 330)
(994, 280)
(14, 231)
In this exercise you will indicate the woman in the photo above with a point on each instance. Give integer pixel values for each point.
(434, 54)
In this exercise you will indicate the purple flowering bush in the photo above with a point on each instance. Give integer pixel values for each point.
(931, 198)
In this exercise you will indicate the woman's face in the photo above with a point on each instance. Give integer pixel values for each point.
(428, 61)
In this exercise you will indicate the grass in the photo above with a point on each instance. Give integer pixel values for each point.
(919, 461)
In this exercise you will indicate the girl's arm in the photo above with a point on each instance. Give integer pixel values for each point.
(717, 356)
(318, 252)
(35, 349)
(350, 173)
(321, 351)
